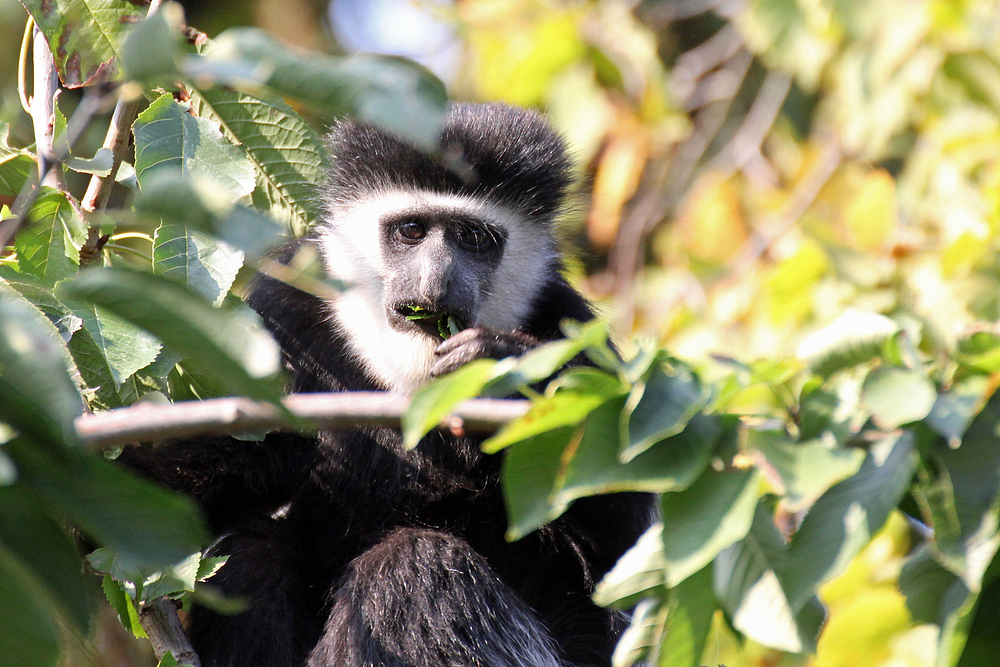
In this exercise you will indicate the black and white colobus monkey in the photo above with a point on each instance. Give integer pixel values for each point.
(381, 556)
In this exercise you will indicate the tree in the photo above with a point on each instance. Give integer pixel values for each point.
(841, 175)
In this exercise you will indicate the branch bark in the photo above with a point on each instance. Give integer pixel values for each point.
(224, 416)
(159, 620)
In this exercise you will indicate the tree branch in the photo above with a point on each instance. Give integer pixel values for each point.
(224, 416)
(159, 620)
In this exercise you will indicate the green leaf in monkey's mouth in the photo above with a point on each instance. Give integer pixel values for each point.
(447, 325)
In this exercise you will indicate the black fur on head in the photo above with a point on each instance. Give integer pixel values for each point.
(508, 156)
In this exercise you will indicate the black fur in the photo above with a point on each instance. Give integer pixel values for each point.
(380, 556)
(507, 155)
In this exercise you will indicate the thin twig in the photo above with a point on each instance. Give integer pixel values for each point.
(223, 416)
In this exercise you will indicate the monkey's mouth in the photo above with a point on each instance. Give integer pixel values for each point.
(437, 323)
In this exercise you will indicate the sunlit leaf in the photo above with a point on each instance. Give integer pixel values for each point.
(853, 338)
(286, 153)
(49, 248)
(205, 264)
(85, 36)
(749, 586)
(168, 137)
(896, 396)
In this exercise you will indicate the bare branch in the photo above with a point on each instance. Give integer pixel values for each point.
(116, 140)
(159, 620)
(224, 416)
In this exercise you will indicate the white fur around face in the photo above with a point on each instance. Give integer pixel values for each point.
(350, 244)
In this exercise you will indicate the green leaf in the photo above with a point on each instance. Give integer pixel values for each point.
(168, 137)
(642, 636)
(30, 636)
(393, 93)
(689, 621)
(49, 249)
(807, 469)
(147, 526)
(15, 170)
(431, 403)
(747, 582)
(637, 574)
(897, 396)
(109, 347)
(670, 465)
(151, 50)
(659, 406)
(168, 660)
(231, 345)
(85, 36)
(955, 409)
(980, 352)
(708, 516)
(844, 520)
(853, 338)
(202, 262)
(546, 360)
(37, 395)
(44, 548)
(122, 603)
(530, 473)
(579, 391)
(287, 154)
(180, 202)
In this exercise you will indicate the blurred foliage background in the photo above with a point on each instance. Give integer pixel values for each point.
(749, 171)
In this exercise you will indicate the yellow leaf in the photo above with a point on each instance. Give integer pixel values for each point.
(790, 287)
(711, 223)
(616, 180)
(862, 634)
(871, 215)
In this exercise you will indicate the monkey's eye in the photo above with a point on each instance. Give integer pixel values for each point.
(411, 231)
(474, 237)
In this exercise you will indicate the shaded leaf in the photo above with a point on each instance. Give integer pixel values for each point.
(393, 93)
(708, 516)
(670, 465)
(31, 635)
(658, 407)
(37, 395)
(43, 548)
(844, 520)
(530, 473)
(637, 574)
(230, 344)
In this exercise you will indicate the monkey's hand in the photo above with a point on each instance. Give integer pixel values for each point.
(479, 343)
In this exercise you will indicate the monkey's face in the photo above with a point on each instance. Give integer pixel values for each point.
(415, 260)
(438, 267)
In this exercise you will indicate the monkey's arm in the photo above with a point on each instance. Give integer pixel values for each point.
(229, 478)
